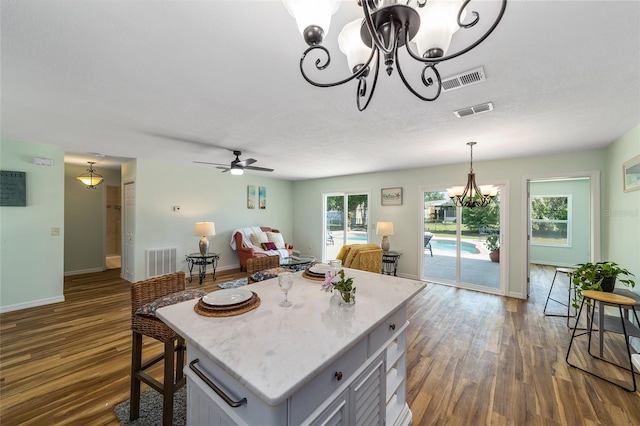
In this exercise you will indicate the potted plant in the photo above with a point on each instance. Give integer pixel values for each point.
(600, 276)
(493, 245)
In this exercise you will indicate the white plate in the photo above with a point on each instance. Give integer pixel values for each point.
(226, 297)
(319, 268)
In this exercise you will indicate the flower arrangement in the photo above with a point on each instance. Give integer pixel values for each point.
(333, 280)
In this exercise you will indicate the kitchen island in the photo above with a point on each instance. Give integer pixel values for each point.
(306, 364)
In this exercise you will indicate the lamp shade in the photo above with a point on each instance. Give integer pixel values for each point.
(438, 22)
(203, 229)
(312, 12)
(90, 179)
(351, 44)
(384, 228)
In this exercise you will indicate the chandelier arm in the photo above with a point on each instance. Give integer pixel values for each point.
(468, 48)
(363, 82)
(475, 14)
(375, 37)
(426, 81)
(321, 66)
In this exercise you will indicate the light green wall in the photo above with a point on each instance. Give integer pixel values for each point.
(307, 209)
(621, 210)
(84, 220)
(203, 194)
(31, 259)
(580, 223)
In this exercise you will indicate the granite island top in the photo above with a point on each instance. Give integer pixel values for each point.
(273, 351)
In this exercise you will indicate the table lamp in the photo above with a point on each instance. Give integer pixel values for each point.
(385, 229)
(203, 229)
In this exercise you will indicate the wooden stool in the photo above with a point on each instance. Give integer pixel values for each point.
(567, 272)
(144, 292)
(607, 324)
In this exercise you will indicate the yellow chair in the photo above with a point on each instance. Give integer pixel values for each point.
(366, 257)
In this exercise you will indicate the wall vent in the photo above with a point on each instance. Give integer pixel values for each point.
(464, 79)
(478, 109)
(160, 261)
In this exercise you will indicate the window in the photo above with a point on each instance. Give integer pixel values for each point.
(550, 224)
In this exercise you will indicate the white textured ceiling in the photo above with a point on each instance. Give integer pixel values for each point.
(179, 81)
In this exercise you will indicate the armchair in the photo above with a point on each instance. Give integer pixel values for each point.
(366, 257)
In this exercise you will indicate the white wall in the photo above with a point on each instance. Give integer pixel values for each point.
(307, 209)
(203, 194)
(31, 259)
(621, 210)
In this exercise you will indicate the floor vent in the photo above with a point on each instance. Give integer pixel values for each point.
(160, 261)
(464, 79)
(478, 109)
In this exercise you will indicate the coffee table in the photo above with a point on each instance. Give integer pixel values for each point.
(297, 263)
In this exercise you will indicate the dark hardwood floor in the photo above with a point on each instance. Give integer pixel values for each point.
(472, 359)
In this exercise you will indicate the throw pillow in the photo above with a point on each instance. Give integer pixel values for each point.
(150, 309)
(267, 274)
(269, 246)
(276, 237)
(259, 238)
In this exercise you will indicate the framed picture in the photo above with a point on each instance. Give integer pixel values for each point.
(263, 197)
(391, 196)
(251, 197)
(13, 188)
(631, 174)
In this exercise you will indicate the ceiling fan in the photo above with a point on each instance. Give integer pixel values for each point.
(237, 166)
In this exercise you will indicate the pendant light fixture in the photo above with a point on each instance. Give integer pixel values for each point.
(472, 195)
(91, 179)
(386, 26)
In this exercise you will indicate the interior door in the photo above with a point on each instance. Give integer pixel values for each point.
(128, 260)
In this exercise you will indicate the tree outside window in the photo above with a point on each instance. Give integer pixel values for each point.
(550, 220)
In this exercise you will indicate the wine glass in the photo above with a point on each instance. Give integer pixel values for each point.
(285, 281)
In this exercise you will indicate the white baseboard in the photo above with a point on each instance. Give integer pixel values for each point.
(83, 271)
(31, 304)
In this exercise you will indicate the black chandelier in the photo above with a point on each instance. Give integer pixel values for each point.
(472, 195)
(387, 25)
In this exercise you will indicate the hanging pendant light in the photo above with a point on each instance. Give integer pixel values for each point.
(91, 179)
(472, 195)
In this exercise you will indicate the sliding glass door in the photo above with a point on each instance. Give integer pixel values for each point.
(457, 243)
(346, 217)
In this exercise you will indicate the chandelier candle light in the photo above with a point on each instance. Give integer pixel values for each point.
(203, 229)
(385, 229)
(471, 195)
(386, 26)
(91, 179)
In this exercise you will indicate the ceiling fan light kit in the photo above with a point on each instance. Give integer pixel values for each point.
(387, 25)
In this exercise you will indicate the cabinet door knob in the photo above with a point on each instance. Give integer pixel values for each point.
(392, 326)
(338, 375)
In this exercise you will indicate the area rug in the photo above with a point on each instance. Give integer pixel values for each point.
(151, 409)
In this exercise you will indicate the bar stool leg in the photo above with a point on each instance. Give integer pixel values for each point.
(136, 365)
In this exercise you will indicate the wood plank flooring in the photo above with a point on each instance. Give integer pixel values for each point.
(472, 359)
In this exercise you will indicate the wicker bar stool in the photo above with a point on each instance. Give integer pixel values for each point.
(144, 292)
(608, 323)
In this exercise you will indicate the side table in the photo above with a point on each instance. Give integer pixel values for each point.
(202, 262)
(390, 262)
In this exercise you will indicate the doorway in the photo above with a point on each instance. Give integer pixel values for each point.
(113, 236)
(346, 221)
(457, 242)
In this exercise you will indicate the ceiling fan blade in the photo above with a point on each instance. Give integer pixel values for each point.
(224, 169)
(212, 164)
(245, 163)
(260, 169)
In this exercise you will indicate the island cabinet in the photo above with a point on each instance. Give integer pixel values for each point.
(314, 363)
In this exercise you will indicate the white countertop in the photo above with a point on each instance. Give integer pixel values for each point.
(272, 350)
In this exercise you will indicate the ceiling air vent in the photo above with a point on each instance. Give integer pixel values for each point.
(466, 78)
(478, 109)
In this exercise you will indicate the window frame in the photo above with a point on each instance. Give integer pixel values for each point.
(559, 221)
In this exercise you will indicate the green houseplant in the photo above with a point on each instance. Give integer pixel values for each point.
(493, 245)
(600, 276)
